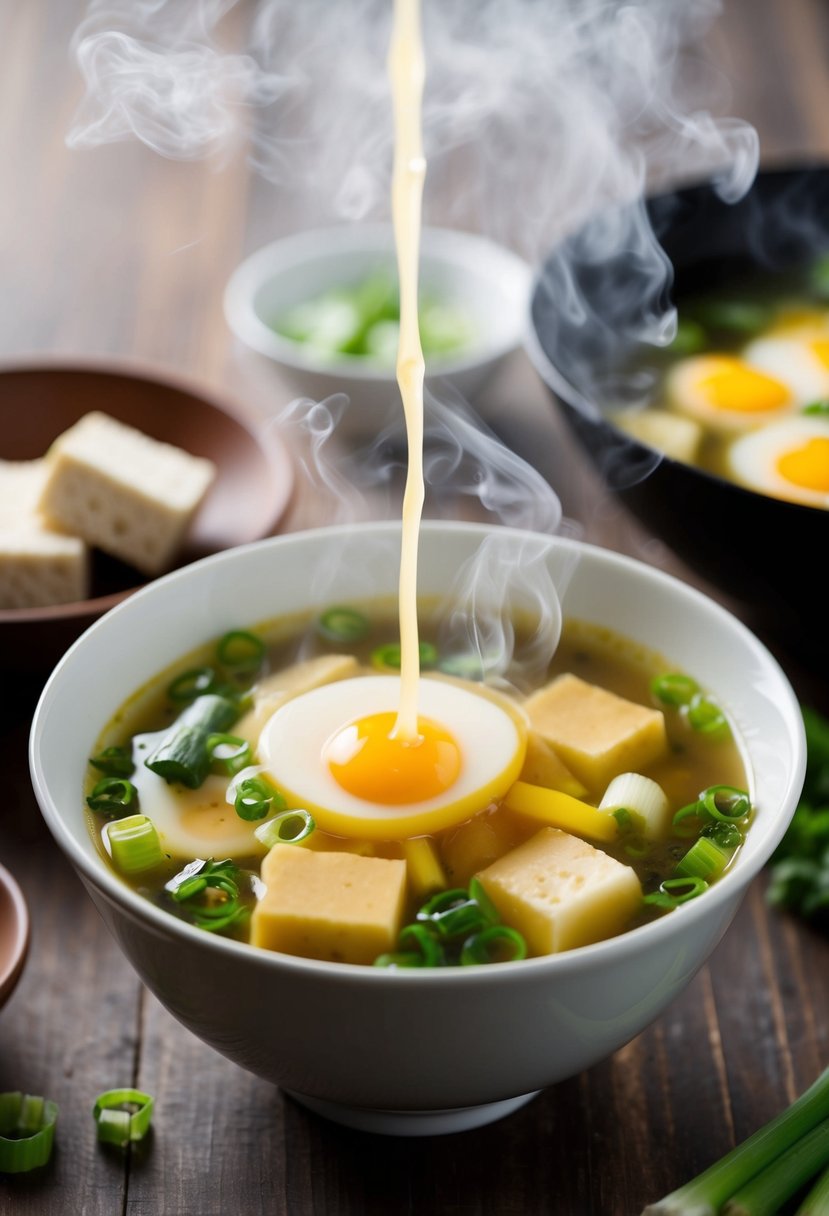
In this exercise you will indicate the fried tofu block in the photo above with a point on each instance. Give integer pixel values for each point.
(291, 682)
(673, 434)
(544, 766)
(21, 482)
(123, 491)
(560, 892)
(339, 907)
(596, 733)
(39, 568)
(423, 866)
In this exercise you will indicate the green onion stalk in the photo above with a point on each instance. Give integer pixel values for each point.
(768, 1149)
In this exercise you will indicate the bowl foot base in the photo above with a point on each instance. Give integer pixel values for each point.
(413, 1122)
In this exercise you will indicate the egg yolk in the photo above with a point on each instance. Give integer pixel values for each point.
(807, 466)
(367, 760)
(820, 346)
(734, 386)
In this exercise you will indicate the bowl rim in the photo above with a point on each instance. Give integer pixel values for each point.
(729, 887)
(438, 244)
(10, 973)
(589, 409)
(264, 438)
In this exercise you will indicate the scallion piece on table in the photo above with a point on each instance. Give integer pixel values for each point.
(343, 624)
(816, 1203)
(674, 688)
(495, 944)
(241, 652)
(767, 1191)
(706, 1194)
(134, 844)
(705, 859)
(228, 753)
(27, 1131)
(123, 1116)
(182, 755)
(290, 827)
(113, 796)
(256, 798)
(114, 762)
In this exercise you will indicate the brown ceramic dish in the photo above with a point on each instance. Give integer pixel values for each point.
(38, 401)
(14, 934)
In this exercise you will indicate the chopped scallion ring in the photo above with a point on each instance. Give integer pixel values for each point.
(477, 892)
(725, 803)
(675, 891)
(113, 796)
(290, 827)
(134, 844)
(27, 1131)
(399, 958)
(255, 798)
(387, 657)
(114, 762)
(240, 652)
(495, 944)
(213, 884)
(726, 835)
(420, 939)
(453, 914)
(192, 684)
(228, 753)
(704, 859)
(706, 717)
(123, 1116)
(674, 688)
(693, 810)
(342, 624)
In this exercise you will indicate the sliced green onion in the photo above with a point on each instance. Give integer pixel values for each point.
(290, 827)
(477, 892)
(675, 891)
(453, 913)
(743, 317)
(766, 1193)
(674, 688)
(182, 755)
(134, 844)
(342, 624)
(228, 753)
(726, 835)
(113, 796)
(387, 657)
(694, 810)
(704, 859)
(240, 652)
(467, 665)
(114, 762)
(817, 1200)
(399, 958)
(705, 716)
(706, 1194)
(27, 1131)
(214, 885)
(191, 684)
(419, 938)
(725, 803)
(495, 944)
(820, 408)
(256, 798)
(122, 1116)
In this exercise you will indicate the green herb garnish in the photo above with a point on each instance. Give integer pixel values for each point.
(800, 864)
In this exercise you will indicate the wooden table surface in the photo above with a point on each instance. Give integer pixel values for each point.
(117, 251)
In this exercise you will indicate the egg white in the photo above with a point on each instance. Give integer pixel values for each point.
(793, 359)
(492, 743)
(753, 459)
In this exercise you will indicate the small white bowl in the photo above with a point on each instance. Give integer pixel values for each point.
(417, 1052)
(489, 283)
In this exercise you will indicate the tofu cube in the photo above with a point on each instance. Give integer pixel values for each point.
(560, 892)
(339, 907)
(544, 766)
(674, 434)
(596, 733)
(117, 488)
(21, 482)
(39, 568)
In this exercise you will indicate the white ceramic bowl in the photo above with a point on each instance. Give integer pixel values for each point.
(423, 1051)
(489, 283)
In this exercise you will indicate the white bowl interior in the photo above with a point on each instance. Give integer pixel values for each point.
(488, 282)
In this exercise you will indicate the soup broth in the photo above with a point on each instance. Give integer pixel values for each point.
(203, 839)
